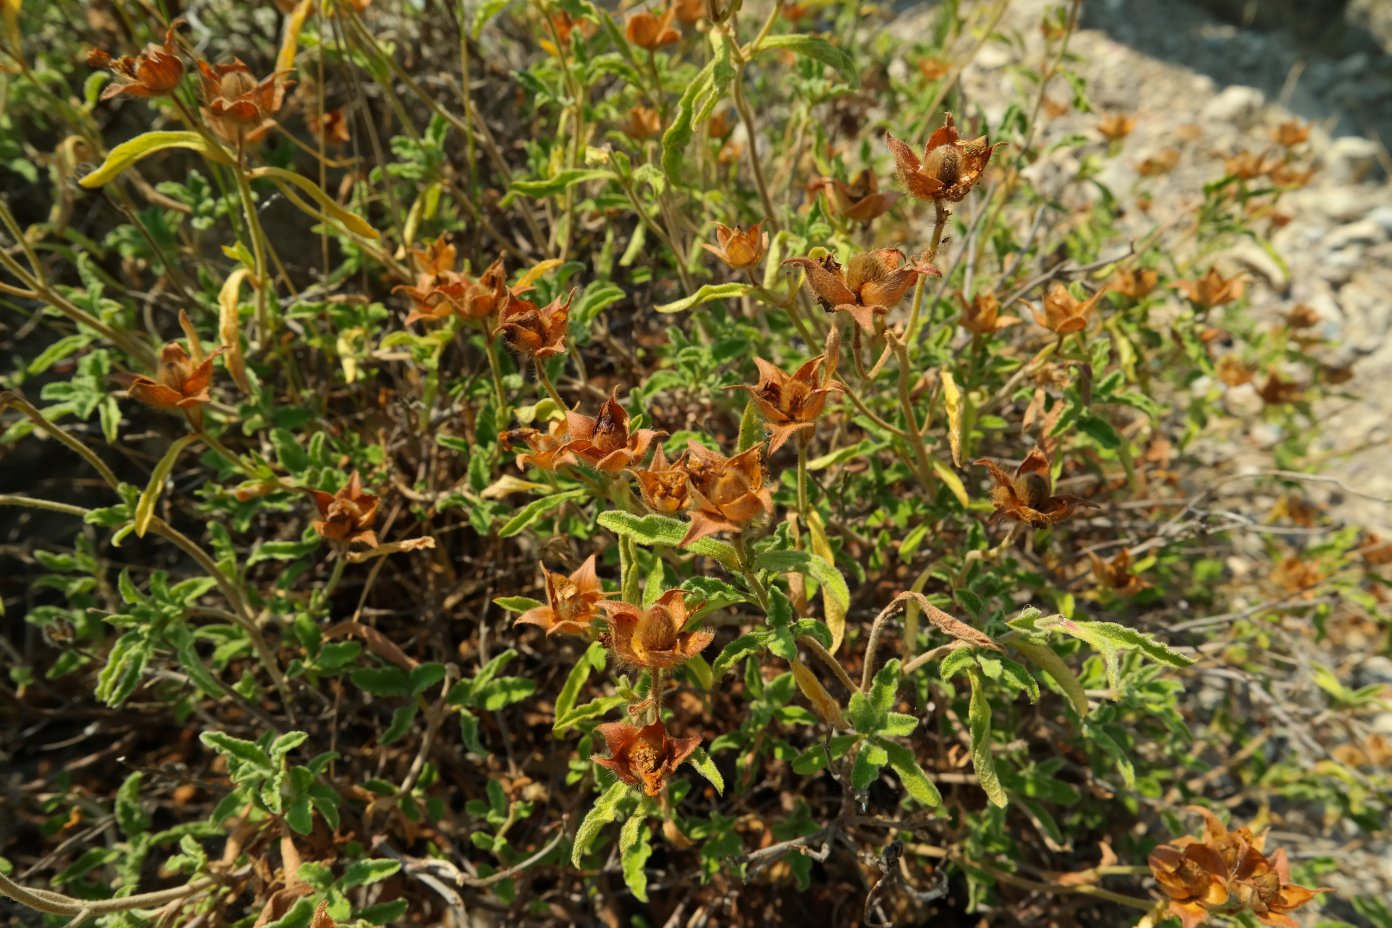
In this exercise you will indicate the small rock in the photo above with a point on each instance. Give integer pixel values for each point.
(1382, 215)
(1343, 204)
(1375, 669)
(1355, 235)
(1350, 159)
(1338, 267)
(1255, 258)
(1236, 105)
(992, 56)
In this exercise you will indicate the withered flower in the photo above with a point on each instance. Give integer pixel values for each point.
(643, 757)
(332, 126)
(1063, 312)
(1291, 133)
(725, 492)
(546, 450)
(1132, 284)
(1115, 574)
(441, 291)
(1162, 162)
(347, 516)
(738, 247)
(1245, 165)
(981, 314)
(1302, 316)
(649, 32)
(690, 11)
(182, 380)
(155, 72)
(537, 331)
(1116, 126)
(859, 201)
(1212, 289)
(570, 601)
(789, 403)
(665, 487)
(870, 284)
(654, 638)
(643, 122)
(604, 441)
(1227, 872)
(950, 166)
(1028, 497)
(239, 107)
(1277, 390)
(1232, 372)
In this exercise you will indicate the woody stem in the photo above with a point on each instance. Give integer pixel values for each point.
(656, 693)
(929, 256)
(747, 116)
(747, 571)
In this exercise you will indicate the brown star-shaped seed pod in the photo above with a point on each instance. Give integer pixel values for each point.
(441, 291)
(869, 286)
(860, 200)
(533, 330)
(570, 601)
(651, 32)
(643, 757)
(1132, 283)
(347, 515)
(1028, 496)
(665, 487)
(738, 247)
(155, 72)
(1064, 313)
(789, 403)
(981, 314)
(182, 380)
(725, 492)
(239, 108)
(1212, 289)
(653, 638)
(546, 450)
(950, 167)
(604, 441)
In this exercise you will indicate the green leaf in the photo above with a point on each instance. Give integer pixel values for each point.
(869, 760)
(129, 816)
(635, 847)
(815, 566)
(983, 761)
(551, 186)
(751, 428)
(604, 811)
(144, 145)
(953, 482)
(707, 293)
(869, 712)
(811, 46)
(515, 603)
(124, 667)
(738, 650)
(697, 102)
(145, 507)
(898, 724)
(535, 510)
(702, 764)
(660, 530)
(915, 781)
(593, 659)
(1101, 431)
(284, 744)
(366, 872)
(238, 751)
(1109, 638)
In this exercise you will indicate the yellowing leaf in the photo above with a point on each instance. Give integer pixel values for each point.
(952, 398)
(954, 483)
(827, 708)
(350, 220)
(290, 39)
(229, 326)
(535, 273)
(831, 605)
(145, 506)
(146, 144)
